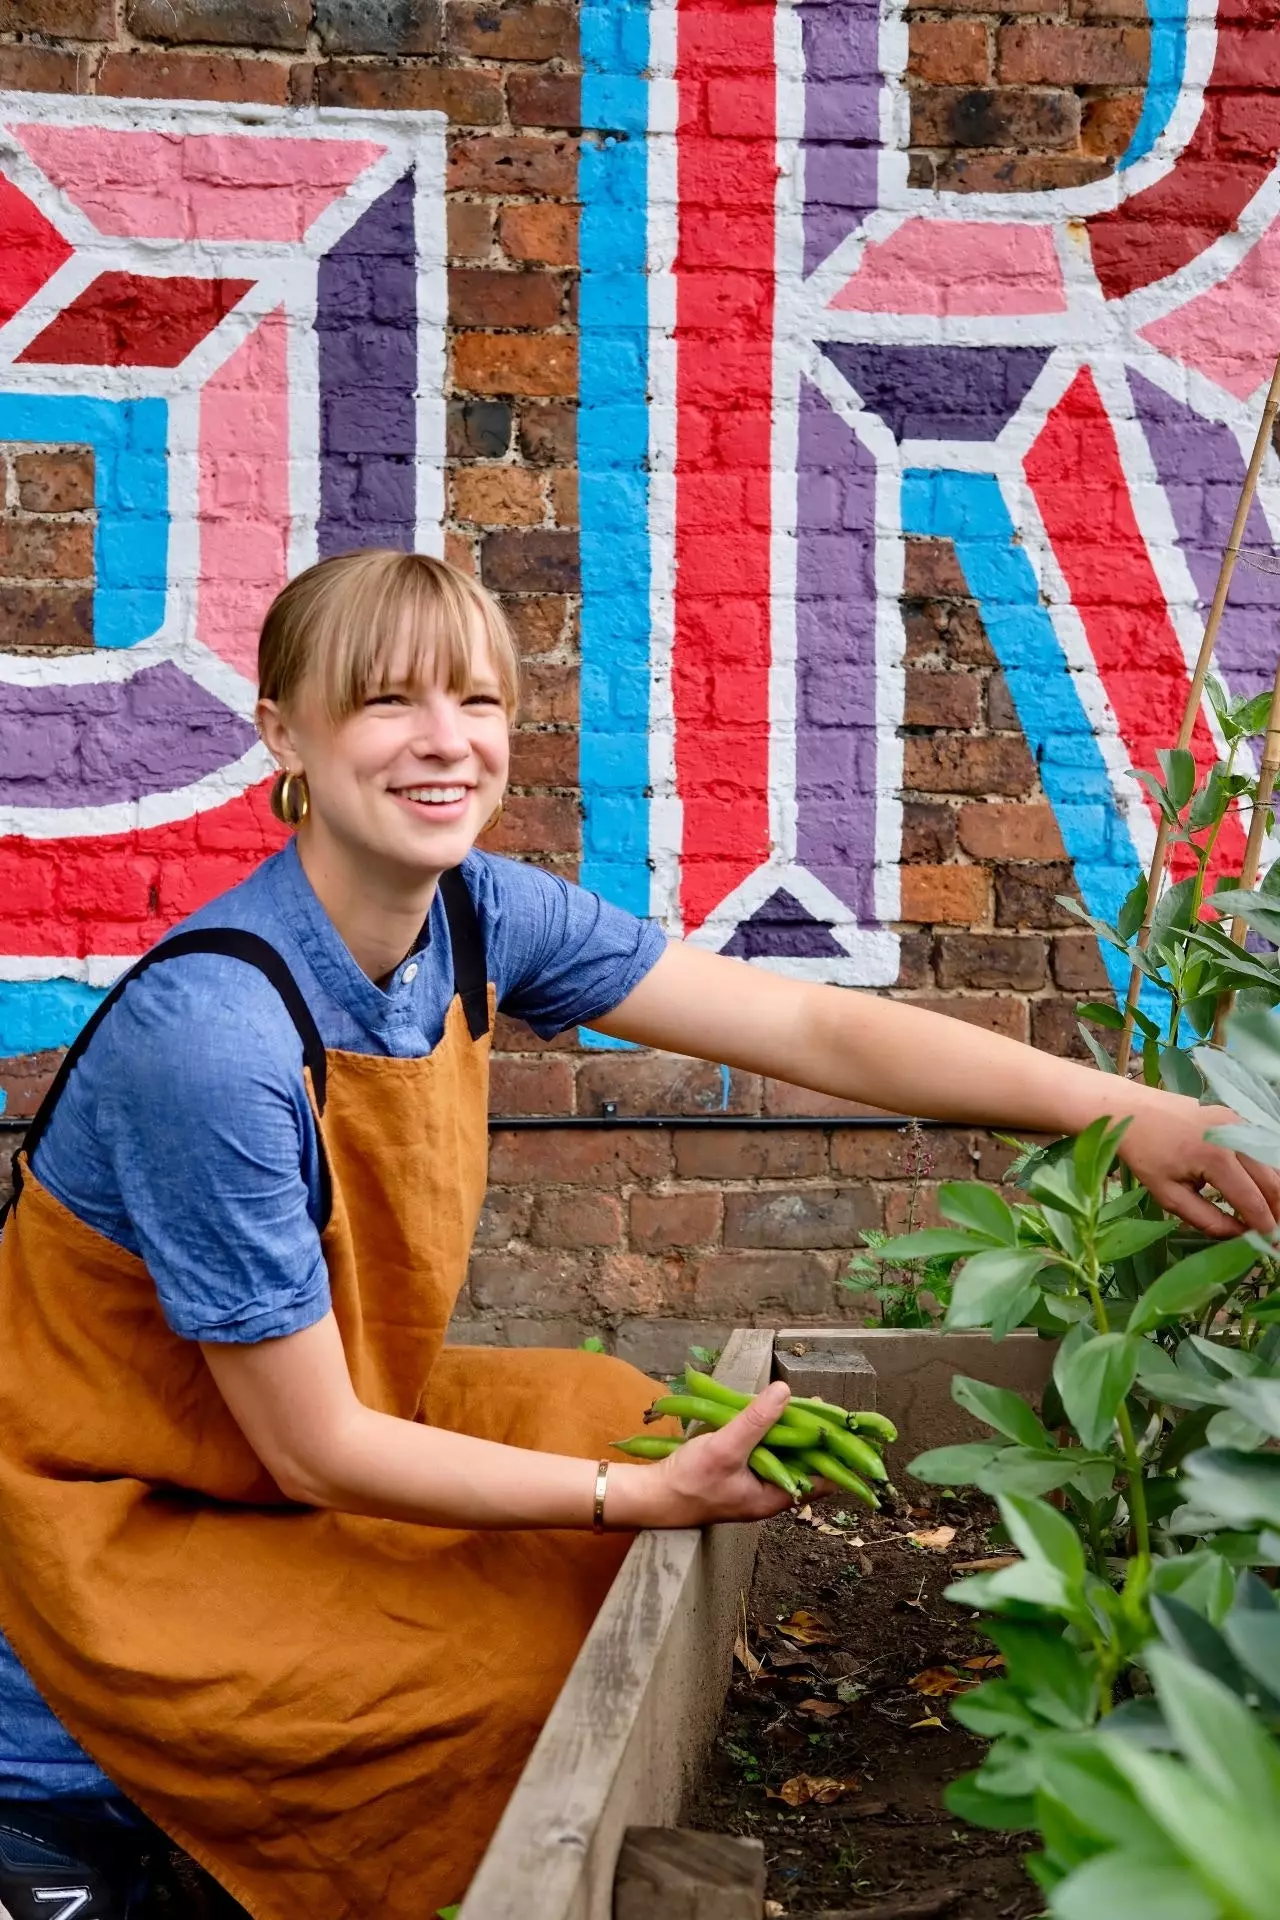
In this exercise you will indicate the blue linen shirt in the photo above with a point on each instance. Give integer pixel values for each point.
(185, 1134)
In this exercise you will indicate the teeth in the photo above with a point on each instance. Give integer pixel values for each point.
(435, 796)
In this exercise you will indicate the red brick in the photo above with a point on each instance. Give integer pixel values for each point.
(46, 550)
(603, 1158)
(1002, 715)
(942, 700)
(542, 561)
(959, 896)
(512, 1036)
(36, 618)
(478, 429)
(490, 297)
(1077, 965)
(223, 23)
(527, 1282)
(992, 960)
(460, 551)
(948, 633)
(149, 75)
(544, 759)
(1109, 124)
(378, 26)
(782, 1100)
(890, 1154)
(512, 31)
(549, 694)
(542, 363)
(997, 764)
(548, 234)
(928, 832)
(470, 226)
(951, 53)
(659, 1221)
(727, 1153)
(997, 1013)
(540, 1083)
(906, 1209)
(504, 1216)
(800, 1218)
(544, 1332)
(577, 1218)
(1027, 896)
(765, 1289)
(544, 100)
(60, 481)
(537, 622)
(1055, 1028)
(496, 496)
(661, 1083)
(61, 19)
(539, 823)
(990, 830)
(515, 164)
(642, 1283)
(548, 432)
(24, 1079)
(994, 117)
(468, 95)
(915, 960)
(564, 496)
(45, 70)
(1071, 57)
(931, 567)
(1016, 173)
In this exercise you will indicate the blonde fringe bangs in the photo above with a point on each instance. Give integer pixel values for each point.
(342, 624)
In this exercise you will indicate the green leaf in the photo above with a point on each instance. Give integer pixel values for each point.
(1132, 909)
(1254, 1638)
(1234, 1853)
(1211, 801)
(592, 1344)
(1173, 909)
(1238, 1086)
(968, 1800)
(994, 1290)
(1178, 765)
(1178, 1072)
(1190, 1284)
(1139, 1885)
(1256, 910)
(1217, 1732)
(1040, 1532)
(1051, 1673)
(1127, 1237)
(1237, 1489)
(1101, 1058)
(931, 1243)
(1094, 1154)
(1095, 1379)
(1251, 715)
(979, 1209)
(1101, 1014)
(955, 1466)
(997, 1407)
(1258, 1401)
(1028, 1471)
(995, 1708)
(1159, 793)
(1081, 1776)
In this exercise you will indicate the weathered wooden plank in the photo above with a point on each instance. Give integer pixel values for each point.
(914, 1369)
(673, 1873)
(635, 1715)
(817, 1368)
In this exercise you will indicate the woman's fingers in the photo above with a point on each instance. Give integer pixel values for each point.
(747, 1429)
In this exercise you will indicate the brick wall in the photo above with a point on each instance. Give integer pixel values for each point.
(650, 1236)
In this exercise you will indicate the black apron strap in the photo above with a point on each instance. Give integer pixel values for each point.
(236, 944)
(470, 974)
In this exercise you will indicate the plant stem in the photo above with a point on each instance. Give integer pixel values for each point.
(1137, 1491)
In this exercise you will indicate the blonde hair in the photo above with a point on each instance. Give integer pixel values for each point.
(338, 625)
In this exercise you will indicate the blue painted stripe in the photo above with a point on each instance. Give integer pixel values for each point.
(1165, 72)
(969, 509)
(36, 1015)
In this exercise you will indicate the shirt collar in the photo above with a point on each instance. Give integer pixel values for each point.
(328, 956)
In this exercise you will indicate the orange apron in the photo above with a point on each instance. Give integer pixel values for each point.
(327, 1711)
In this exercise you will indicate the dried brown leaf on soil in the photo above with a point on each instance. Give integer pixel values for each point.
(745, 1658)
(824, 1789)
(932, 1721)
(808, 1629)
(935, 1539)
(983, 1662)
(822, 1709)
(938, 1681)
(991, 1564)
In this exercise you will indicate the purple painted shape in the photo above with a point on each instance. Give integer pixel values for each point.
(98, 744)
(1202, 471)
(841, 120)
(367, 325)
(783, 929)
(939, 393)
(835, 656)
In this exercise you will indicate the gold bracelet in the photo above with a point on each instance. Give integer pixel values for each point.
(597, 1513)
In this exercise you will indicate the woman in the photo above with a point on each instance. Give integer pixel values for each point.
(275, 1569)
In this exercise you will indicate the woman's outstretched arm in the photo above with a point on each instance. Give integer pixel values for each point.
(904, 1058)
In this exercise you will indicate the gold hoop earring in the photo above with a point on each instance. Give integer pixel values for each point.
(493, 819)
(293, 802)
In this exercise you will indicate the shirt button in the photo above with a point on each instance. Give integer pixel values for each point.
(410, 972)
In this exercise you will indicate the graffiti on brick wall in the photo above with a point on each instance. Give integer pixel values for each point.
(236, 321)
(792, 359)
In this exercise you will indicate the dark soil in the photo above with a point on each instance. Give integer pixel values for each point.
(886, 1849)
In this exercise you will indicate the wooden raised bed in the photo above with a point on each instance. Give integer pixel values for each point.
(642, 1702)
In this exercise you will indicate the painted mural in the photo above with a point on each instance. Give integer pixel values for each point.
(792, 359)
(241, 316)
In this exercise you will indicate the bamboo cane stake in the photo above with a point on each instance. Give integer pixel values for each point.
(1267, 773)
(1160, 856)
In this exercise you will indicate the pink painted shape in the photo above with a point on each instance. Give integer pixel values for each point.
(244, 493)
(197, 186)
(954, 267)
(1231, 334)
